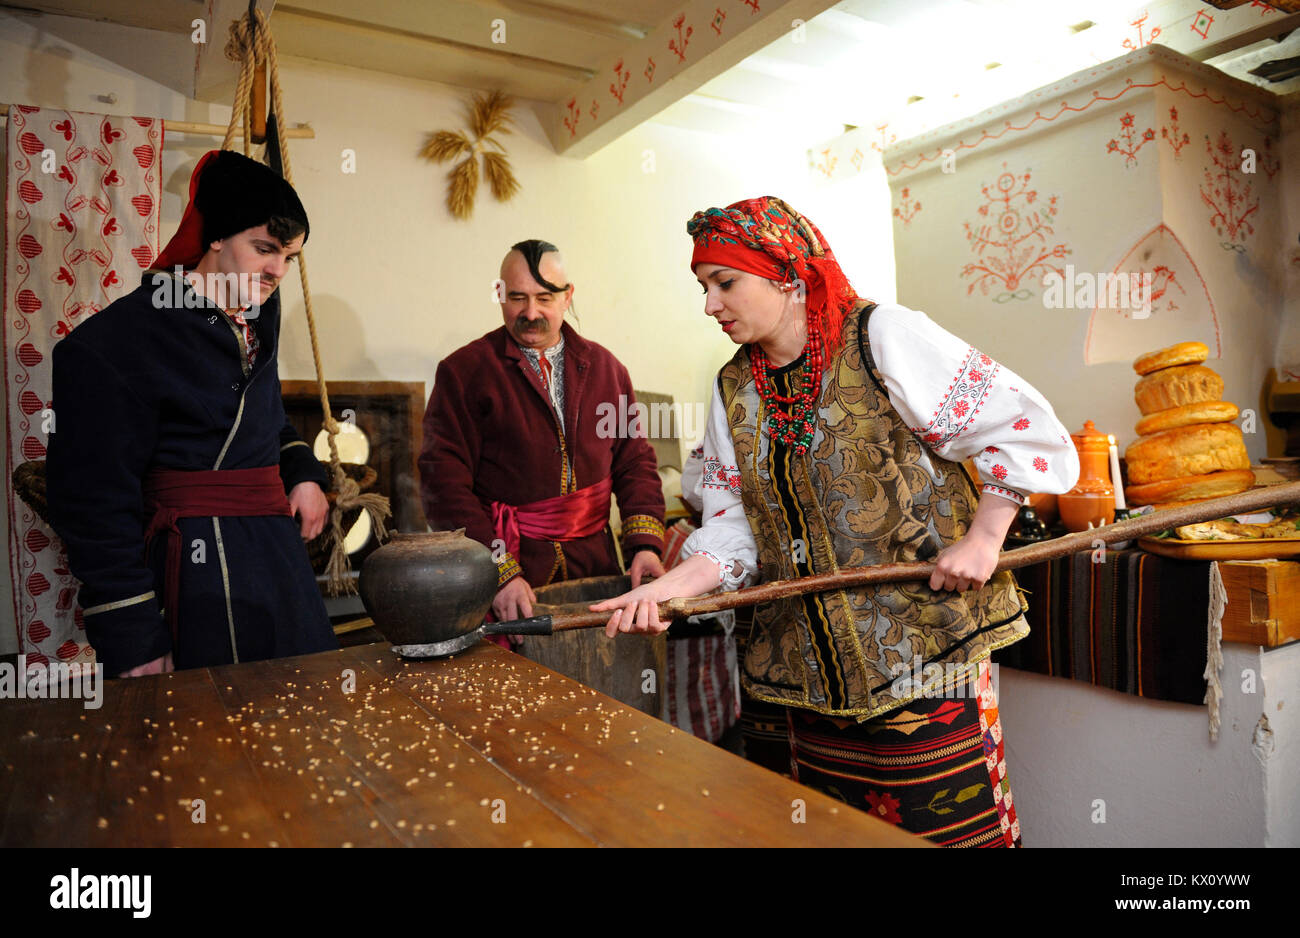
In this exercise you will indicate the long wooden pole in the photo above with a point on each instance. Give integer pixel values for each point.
(1258, 499)
(215, 130)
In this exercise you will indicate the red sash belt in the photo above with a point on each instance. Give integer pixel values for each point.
(172, 494)
(562, 518)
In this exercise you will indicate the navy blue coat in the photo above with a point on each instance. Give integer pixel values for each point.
(148, 382)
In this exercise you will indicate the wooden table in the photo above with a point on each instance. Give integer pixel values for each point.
(485, 749)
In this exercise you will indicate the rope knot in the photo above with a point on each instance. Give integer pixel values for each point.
(240, 44)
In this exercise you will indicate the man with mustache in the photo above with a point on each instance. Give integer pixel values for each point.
(514, 453)
(182, 493)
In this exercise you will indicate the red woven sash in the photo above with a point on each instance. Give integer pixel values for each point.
(562, 518)
(172, 494)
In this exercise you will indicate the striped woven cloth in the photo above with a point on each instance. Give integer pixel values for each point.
(702, 696)
(1135, 622)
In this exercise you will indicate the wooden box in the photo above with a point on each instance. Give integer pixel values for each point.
(1263, 602)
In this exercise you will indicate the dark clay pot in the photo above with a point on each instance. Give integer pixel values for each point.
(428, 587)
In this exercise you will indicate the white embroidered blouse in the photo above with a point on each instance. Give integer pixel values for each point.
(959, 402)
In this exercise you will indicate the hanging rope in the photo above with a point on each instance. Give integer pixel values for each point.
(251, 44)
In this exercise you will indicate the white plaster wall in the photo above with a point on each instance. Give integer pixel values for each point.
(1104, 207)
(1281, 756)
(1163, 782)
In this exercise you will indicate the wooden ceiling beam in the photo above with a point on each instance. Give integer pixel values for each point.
(497, 55)
(680, 54)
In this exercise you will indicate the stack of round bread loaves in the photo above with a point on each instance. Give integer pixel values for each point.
(1187, 449)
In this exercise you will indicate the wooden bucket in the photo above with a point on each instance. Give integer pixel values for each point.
(629, 668)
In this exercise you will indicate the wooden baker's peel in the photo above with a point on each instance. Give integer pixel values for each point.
(1257, 499)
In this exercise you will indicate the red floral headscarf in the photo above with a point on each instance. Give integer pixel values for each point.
(767, 237)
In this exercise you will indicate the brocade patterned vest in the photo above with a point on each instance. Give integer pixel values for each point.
(867, 492)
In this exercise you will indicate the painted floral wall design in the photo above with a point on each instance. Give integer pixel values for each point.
(1012, 239)
(1228, 193)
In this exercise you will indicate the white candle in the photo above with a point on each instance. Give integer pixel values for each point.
(1116, 480)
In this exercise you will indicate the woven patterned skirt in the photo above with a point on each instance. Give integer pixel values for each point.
(935, 767)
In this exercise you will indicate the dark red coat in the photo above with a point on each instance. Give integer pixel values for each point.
(490, 435)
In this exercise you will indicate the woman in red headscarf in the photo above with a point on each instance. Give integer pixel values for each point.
(835, 439)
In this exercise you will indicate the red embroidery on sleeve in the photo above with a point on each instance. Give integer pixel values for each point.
(1021, 424)
(718, 476)
(963, 401)
(992, 449)
(1040, 463)
(1000, 472)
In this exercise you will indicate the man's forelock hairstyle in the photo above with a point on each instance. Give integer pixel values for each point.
(532, 250)
(283, 228)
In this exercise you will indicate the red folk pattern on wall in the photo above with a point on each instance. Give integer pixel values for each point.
(826, 165)
(1129, 132)
(1012, 247)
(1065, 107)
(649, 69)
(1174, 135)
(907, 209)
(1227, 193)
(678, 46)
(752, 4)
(719, 17)
(571, 122)
(619, 84)
(1268, 161)
(885, 140)
(1143, 39)
(1201, 25)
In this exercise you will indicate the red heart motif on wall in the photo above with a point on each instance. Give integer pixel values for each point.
(28, 192)
(68, 650)
(38, 632)
(30, 403)
(29, 303)
(66, 223)
(111, 227)
(66, 175)
(28, 246)
(66, 596)
(37, 584)
(110, 278)
(66, 276)
(29, 108)
(111, 178)
(65, 128)
(108, 133)
(143, 121)
(143, 255)
(35, 658)
(62, 328)
(143, 204)
(143, 155)
(36, 540)
(29, 355)
(33, 448)
(77, 619)
(30, 143)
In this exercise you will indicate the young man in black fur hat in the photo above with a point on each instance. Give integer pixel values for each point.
(180, 490)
